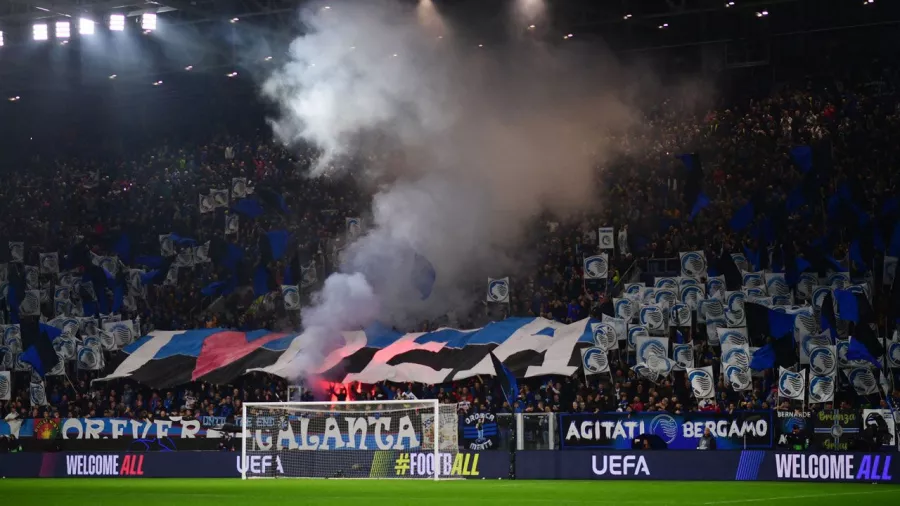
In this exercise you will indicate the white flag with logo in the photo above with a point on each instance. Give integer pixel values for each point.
(16, 251)
(291, 295)
(791, 385)
(605, 235)
(683, 354)
(219, 197)
(693, 264)
(354, 227)
(862, 379)
(823, 366)
(232, 224)
(207, 204)
(498, 290)
(37, 393)
(893, 352)
(166, 245)
(703, 386)
(5, 385)
(605, 336)
(238, 187)
(49, 263)
(596, 267)
(594, 361)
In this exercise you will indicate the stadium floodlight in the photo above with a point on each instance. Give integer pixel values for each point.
(425, 431)
(663, 26)
(40, 32)
(234, 20)
(231, 74)
(189, 68)
(117, 22)
(729, 4)
(269, 58)
(85, 26)
(63, 30)
(157, 83)
(1, 39)
(627, 17)
(762, 14)
(148, 21)
(112, 76)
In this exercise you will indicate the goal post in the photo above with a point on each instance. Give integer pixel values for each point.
(352, 439)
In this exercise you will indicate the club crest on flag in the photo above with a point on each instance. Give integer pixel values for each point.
(823, 361)
(734, 309)
(691, 295)
(738, 377)
(811, 341)
(65, 347)
(207, 204)
(623, 308)
(291, 295)
(642, 370)
(736, 355)
(753, 280)
(605, 236)
(651, 346)
(498, 290)
(5, 386)
(837, 280)
(693, 264)
(821, 389)
(16, 252)
(733, 336)
(683, 355)
(652, 317)
(219, 197)
(634, 332)
(49, 263)
(681, 315)
(863, 380)
(715, 287)
(819, 294)
(702, 383)
(232, 224)
(806, 283)
(596, 267)
(664, 297)
(354, 227)
(893, 353)
(633, 290)
(238, 187)
(594, 361)
(122, 332)
(791, 385)
(665, 282)
(37, 394)
(605, 336)
(776, 284)
(740, 261)
(7, 358)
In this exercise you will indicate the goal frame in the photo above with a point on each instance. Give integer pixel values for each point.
(402, 403)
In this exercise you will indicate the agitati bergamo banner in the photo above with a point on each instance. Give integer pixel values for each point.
(746, 429)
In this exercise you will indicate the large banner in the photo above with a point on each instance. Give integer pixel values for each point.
(362, 464)
(747, 429)
(835, 430)
(748, 465)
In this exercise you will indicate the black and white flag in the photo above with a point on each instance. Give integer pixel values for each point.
(606, 237)
(823, 366)
(498, 290)
(862, 379)
(219, 198)
(596, 267)
(605, 336)
(683, 355)
(624, 308)
(890, 270)
(291, 295)
(31, 303)
(166, 246)
(32, 277)
(5, 385)
(308, 275)
(37, 394)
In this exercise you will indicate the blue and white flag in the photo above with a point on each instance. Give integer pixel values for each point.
(232, 224)
(863, 380)
(219, 197)
(49, 263)
(740, 378)
(715, 287)
(122, 332)
(811, 341)
(238, 187)
(647, 346)
(806, 284)
(711, 310)
(90, 354)
(683, 355)
(693, 264)
(691, 295)
(37, 394)
(665, 297)
(498, 290)
(821, 389)
(207, 204)
(605, 237)
(136, 287)
(753, 280)
(354, 227)
(703, 385)
(605, 336)
(680, 315)
(619, 327)
(665, 282)
(740, 260)
(634, 332)
(16, 252)
(596, 267)
(624, 308)
(712, 330)
(291, 295)
(823, 361)
(652, 317)
(594, 361)
(31, 303)
(734, 309)
(633, 291)
(893, 352)
(838, 280)
(201, 253)
(791, 385)
(733, 337)
(776, 285)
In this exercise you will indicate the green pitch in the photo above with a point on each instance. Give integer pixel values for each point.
(225, 492)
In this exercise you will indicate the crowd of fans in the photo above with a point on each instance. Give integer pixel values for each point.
(745, 152)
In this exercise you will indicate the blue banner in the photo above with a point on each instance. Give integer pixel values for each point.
(746, 429)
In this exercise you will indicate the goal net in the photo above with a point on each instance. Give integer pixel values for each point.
(362, 439)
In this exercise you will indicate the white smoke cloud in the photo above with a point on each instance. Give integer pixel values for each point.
(475, 143)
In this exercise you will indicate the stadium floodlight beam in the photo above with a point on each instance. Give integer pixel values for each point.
(40, 31)
(63, 30)
(117, 22)
(85, 26)
(148, 21)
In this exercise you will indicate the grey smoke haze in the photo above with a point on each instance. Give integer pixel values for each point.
(481, 141)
